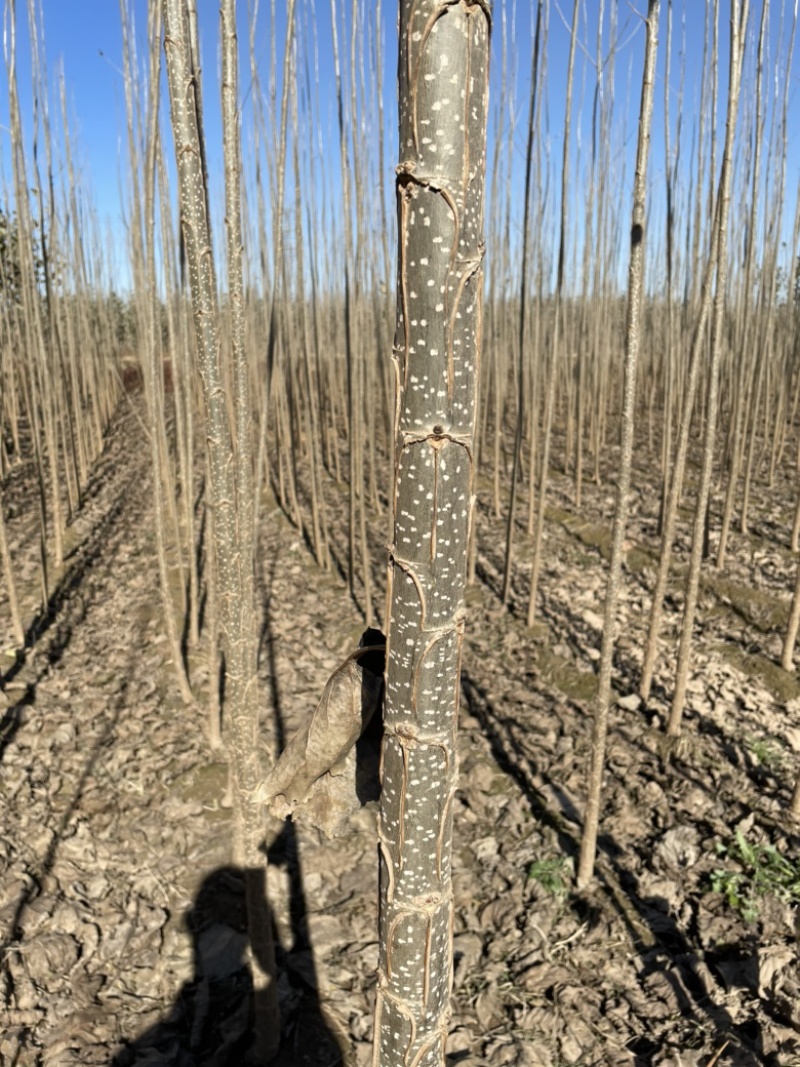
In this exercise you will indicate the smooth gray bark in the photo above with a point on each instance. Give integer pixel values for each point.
(443, 93)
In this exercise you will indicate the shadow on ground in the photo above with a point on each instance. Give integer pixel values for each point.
(667, 955)
(210, 1023)
(77, 587)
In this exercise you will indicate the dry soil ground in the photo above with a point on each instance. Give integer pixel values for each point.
(121, 917)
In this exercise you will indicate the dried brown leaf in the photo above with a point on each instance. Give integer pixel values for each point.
(772, 962)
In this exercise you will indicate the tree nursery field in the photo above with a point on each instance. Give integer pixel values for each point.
(400, 554)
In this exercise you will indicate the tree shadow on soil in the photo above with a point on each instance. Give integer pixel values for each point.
(15, 933)
(72, 595)
(66, 610)
(667, 956)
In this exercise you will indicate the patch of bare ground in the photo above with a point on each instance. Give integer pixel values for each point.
(122, 918)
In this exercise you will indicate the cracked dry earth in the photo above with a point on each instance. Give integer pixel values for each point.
(121, 917)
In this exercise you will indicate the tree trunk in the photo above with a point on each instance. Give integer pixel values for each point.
(230, 483)
(787, 656)
(443, 82)
(11, 588)
(523, 308)
(739, 13)
(536, 560)
(632, 333)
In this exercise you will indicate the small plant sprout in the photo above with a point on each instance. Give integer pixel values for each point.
(767, 751)
(553, 875)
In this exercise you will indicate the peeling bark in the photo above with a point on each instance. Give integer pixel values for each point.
(349, 701)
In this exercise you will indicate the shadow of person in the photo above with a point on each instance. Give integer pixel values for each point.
(210, 1024)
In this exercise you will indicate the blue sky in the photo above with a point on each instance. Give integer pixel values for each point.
(85, 37)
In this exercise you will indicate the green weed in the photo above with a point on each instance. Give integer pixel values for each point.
(762, 871)
(553, 875)
(768, 751)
